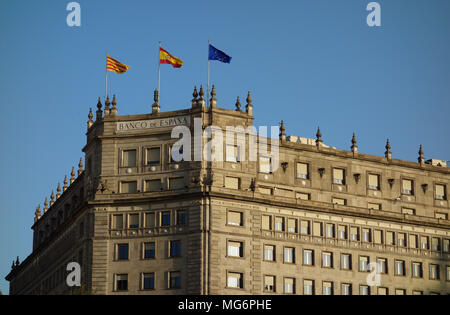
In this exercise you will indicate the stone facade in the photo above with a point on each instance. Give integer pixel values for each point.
(139, 223)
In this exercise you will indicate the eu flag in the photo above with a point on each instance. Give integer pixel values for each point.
(215, 54)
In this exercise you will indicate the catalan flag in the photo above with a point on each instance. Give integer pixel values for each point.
(166, 58)
(115, 66)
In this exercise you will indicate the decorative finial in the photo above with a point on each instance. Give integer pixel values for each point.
(12, 266)
(37, 214)
(155, 106)
(201, 99)
(72, 176)
(238, 104)
(52, 198)
(80, 167)
(107, 103)
(213, 100)
(90, 116)
(58, 191)
(354, 147)
(195, 96)
(388, 153)
(318, 137)
(66, 182)
(202, 93)
(113, 111)
(421, 159)
(249, 106)
(99, 110)
(45, 205)
(282, 131)
(17, 261)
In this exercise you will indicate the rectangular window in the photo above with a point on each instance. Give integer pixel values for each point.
(364, 290)
(447, 273)
(378, 237)
(134, 221)
(235, 249)
(327, 288)
(317, 229)
(269, 253)
(416, 270)
(412, 241)
(129, 158)
(366, 235)
(128, 187)
(174, 280)
(327, 260)
(342, 232)
(390, 238)
(176, 183)
(408, 211)
(174, 248)
(407, 187)
(308, 257)
(401, 239)
(165, 218)
(117, 221)
(121, 282)
(339, 201)
(338, 176)
(265, 190)
(269, 283)
(235, 218)
(399, 268)
(150, 219)
(435, 244)
(434, 272)
(148, 281)
(292, 226)
(231, 153)
(234, 280)
(346, 289)
(440, 192)
(329, 230)
(153, 185)
(265, 164)
(303, 196)
(415, 292)
(374, 181)
(346, 263)
(153, 156)
(181, 217)
(122, 251)
(364, 264)
(354, 233)
(382, 265)
(424, 242)
(279, 224)
(374, 206)
(149, 250)
(382, 291)
(289, 285)
(232, 182)
(305, 227)
(442, 216)
(446, 246)
(308, 287)
(400, 292)
(289, 255)
(266, 222)
(302, 171)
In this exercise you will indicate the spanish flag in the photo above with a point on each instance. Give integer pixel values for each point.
(165, 57)
(115, 66)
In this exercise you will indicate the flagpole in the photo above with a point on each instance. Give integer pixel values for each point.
(159, 70)
(106, 77)
(207, 95)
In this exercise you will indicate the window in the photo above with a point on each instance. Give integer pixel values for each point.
(378, 237)
(339, 176)
(165, 218)
(374, 206)
(269, 252)
(232, 153)
(390, 238)
(122, 251)
(308, 287)
(407, 187)
(440, 193)
(266, 222)
(346, 262)
(374, 182)
(303, 196)
(128, 187)
(354, 233)
(342, 232)
(180, 151)
(265, 164)
(382, 265)
(153, 185)
(234, 280)
(400, 292)
(412, 241)
(329, 230)
(442, 216)
(289, 285)
(148, 281)
(117, 221)
(446, 247)
(346, 289)
(364, 290)
(424, 242)
(129, 158)
(232, 182)
(153, 156)
(289, 255)
(317, 229)
(447, 273)
(235, 249)
(149, 250)
(134, 221)
(121, 282)
(399, 268)
(308, 257)
(235, 218)
(434, 272)
(366, 236)
(279, 224)
(269, 283)
(416, 270)
(181, 217)
(339, 201)
(408, 211)
(327, 260)
(304, 227)
(327, 288)
(302, 171)
(176, 183)
(292, 226)
(401, 239)
(382, 291)
(435, 244)
(174, 280)
(265, 190)
(175, 248)
(364, 264)
(416, 292)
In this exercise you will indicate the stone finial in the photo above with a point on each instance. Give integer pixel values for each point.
(37, 213)
(17, 261)
(213, 100)
(388, 153)
(201, 99)
(12, 266)
(354, 146)
(318, 137)
(249, 106)
(282, 131)
(66, 182)
(107, 103)
(194, 97)
(113, 111)
(90, 121)
(99, 110)
(72, 176)
(52, 198)
(421, 159)
(58, 191)
(155, 107)
(238, 104)
(45, 205)
(80, 167)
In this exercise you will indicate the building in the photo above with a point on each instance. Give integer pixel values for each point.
(139, 223)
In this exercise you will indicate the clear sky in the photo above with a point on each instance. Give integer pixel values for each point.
(308, 62)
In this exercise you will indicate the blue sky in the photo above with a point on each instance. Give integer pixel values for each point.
(309, 63)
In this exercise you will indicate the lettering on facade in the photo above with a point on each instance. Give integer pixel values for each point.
(125, 126)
